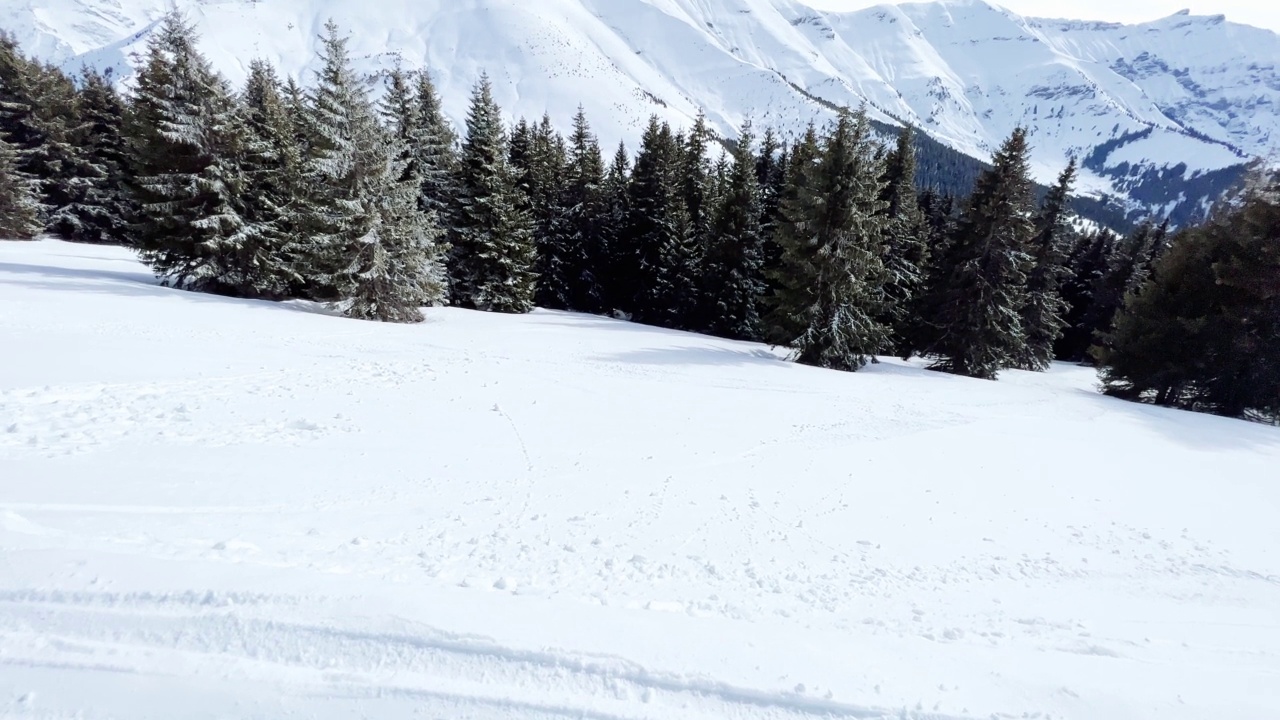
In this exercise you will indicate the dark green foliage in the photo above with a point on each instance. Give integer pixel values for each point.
(906, 240)
(733, 264)
(790, 278)
(980, 319)
(1087, 263)
(1204, 332)
(614, 259)
(105, 208)
(1044, 314)
(494, 253)
(538, 158)
(19, 204)
(659, 271)
(833, 272)
(583, 224)
(187, 142)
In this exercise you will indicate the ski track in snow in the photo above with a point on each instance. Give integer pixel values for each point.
(564, 516)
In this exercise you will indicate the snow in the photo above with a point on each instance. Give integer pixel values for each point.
(965, 71)
(221, 508)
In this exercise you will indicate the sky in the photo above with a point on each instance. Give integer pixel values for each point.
(1262, 13)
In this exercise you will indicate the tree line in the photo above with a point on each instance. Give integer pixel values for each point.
(824, 243)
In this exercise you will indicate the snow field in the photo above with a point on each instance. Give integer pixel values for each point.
(215, 508)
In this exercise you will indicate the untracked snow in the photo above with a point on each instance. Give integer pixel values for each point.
(219, 508)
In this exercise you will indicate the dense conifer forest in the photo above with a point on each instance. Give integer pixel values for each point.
(831, 243)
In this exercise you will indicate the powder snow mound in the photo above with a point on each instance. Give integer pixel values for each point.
(217, 508)
(1142, 104)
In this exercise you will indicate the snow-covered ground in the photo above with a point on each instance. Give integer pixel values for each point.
(218, 508)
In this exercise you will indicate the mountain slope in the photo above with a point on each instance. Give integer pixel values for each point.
(247, 509)
(1153, 108)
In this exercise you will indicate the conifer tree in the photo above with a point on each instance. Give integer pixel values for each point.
(906, 239)
(659, 275)
(1044, 314)
(1087, 264)
(494, 252)
(372, 249)
(1125, 270)
(19, 205)
(791, 279)
(981, 325)
(1204, 332)
(538, 160)
(918, 328)
(583, 223)
(434, 144)
(185, 140)
(615, 245)
(733, 267)
(105, 209)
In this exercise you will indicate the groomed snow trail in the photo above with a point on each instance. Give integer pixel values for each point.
(219, 508)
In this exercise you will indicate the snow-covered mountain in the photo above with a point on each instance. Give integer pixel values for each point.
(1159, 112)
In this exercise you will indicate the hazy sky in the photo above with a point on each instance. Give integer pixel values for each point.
(1263, 13)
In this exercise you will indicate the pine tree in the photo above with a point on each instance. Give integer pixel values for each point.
(1125, 270)
(733, 267)
(40, 115)
(185, 140)
(539, 163)
(494, 252)
(434, 144)
(614, 259)
(1086, 264)
(105, 208)
(1204, 332)
(791, 279)
(372, 250)
(19, 204)
(1044, 314)
(584, 217)
(661, 258)
(919, 328)
(906, 240)
(982, 331)
(272, 199)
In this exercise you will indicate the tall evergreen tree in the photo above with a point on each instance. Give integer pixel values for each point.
(615, 243)
(661, 257)
(981, 322)
(19, 204)
(538, 160)
(791, 278)
(494, 252)
(584, 218)
(185, 140)
(919, 328)
(906, 239)
(434, 145)
(733, 267)
(1087, 263)
(105, 208)
(1044, 314)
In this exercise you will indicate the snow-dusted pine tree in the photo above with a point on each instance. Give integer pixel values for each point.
(186, 141)
(19, 206)
(370, 249)
(105, 208)
(492, 261)
(845, 228)
(981, 321)
(733, 266)
(906, 239)
(1043, 315)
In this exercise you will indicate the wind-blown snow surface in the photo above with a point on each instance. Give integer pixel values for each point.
(1204, 93)
(218, 508)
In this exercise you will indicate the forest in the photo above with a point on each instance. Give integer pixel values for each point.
(832, 243)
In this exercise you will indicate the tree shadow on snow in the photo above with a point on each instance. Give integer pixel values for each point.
(706, 355)
(1195, 429)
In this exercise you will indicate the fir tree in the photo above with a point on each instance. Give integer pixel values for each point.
(539, 163)
(1086, 264)
(981, 323)
(494, 251)
(660, 273)
(434, 146)
(583, 223)
(613, 259)
(906, 239)
(19, 206)
(1043, 315)
(185, 139)
(791, 279)
(105, 208)
(732, 271)
(918, 328)
(1125, 270)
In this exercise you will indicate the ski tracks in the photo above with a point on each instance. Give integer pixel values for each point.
(225, 638)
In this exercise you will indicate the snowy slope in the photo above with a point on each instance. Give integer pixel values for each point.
(220, 508)
(1204, 91)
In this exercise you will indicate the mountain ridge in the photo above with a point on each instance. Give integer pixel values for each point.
(1165, 114)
